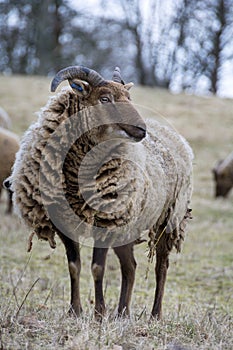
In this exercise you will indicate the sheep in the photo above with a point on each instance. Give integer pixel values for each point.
(5, 121)
(223, 176)
(91, 170)
(9, 145)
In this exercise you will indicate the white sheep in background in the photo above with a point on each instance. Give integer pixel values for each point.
(103, 172)
(223, 176)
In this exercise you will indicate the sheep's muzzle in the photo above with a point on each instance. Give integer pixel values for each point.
(136, 132)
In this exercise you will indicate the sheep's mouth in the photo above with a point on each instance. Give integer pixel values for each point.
(137, 133)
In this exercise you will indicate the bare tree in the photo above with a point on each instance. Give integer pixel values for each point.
(221, 13)
(141, 25)
(204, 28)
(177, 44)
(31, 35)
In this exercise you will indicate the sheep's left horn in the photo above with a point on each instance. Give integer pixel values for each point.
(117, 76)
(79, 72)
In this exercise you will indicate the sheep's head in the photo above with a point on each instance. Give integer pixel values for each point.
(223, 181)
(119, 118)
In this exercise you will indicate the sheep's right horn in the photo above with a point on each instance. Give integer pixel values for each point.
(117, 76)
(79, 72)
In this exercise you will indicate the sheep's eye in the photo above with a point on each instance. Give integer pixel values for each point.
(105, 99)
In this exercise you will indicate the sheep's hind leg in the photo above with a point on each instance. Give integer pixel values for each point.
(128, 267)
(98, 267)
(162, 263)
(74, 264)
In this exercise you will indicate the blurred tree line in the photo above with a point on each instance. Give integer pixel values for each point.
(177, 44)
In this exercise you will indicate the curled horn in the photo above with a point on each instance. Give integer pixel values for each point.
(80, 72)
(117, 76)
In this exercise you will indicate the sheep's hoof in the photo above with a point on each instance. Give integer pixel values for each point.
(75, 312)
(98, 317)
(99, 314)
(123, 313)
(156, 317)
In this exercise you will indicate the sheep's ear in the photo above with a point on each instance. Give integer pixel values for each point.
(217, 165)
(224, 172)
(80, 87)
(214, 172)
(128, 86)
(219, 162)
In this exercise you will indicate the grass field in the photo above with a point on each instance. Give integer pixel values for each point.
(198, 307)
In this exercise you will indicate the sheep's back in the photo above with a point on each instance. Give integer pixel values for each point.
(176, 162)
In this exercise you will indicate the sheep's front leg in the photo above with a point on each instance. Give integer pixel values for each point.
(128, 267)
(9, 204)
(98, 267)
(74, 264)
(162, 263)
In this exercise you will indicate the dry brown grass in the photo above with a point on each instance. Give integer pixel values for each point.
(198, 307)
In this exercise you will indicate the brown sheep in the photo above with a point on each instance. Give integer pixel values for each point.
(9, 145)
(223, 176)
(90, 167)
